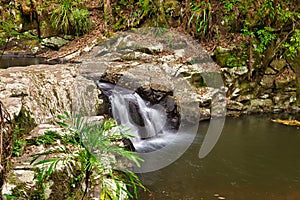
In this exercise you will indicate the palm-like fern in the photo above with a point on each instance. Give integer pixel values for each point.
(91, 149)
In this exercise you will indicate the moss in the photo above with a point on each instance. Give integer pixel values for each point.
(23, 125)
(197, 80)
(24, 122)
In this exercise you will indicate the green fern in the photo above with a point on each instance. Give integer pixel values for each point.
(90, 147)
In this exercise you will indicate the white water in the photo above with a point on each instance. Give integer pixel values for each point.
(128, 108)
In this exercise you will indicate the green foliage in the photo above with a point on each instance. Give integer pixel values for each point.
(235, 61)
(145, 8)
(88, 152)
(80, 21)
(48, 138)
(293, 46)
(128, 13)
(237, 58)
(68, 18)
(10, 30)
(201, 16)
(7, 196)
(23, 125)
(273, 26)
(265, 36)
(18, 147)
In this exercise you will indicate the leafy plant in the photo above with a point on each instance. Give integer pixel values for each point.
(18, 147)
(80, 21)
(7, 196)
(88, 152)
(69, 19)
(9, 30)
(49, 137)
(293, 46)
(201, 16)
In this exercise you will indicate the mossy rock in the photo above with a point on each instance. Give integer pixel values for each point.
(286, 78)
(278, 64)
(267, 81)
(222, 55)
(197, 80)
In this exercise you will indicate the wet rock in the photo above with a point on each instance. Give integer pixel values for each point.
(164, 73)
(204, 114)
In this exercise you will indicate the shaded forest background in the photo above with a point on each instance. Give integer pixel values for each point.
(253, 32)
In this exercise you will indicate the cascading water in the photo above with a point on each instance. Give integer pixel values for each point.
(146, 122)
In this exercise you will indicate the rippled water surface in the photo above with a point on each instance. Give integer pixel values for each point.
(254, 159)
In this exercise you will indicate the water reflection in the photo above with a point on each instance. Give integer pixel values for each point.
(7, 61)
(254, 159)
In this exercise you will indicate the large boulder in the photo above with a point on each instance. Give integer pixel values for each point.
(45, 91)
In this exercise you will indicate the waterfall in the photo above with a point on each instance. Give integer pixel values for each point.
(130, 110)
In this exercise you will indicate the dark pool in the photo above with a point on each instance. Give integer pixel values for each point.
(11, 60)
(254, 159)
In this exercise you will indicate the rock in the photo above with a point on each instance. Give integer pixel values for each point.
(278, 64)
(40, 130)
(240, 70)
(235, 72)
(236, 106)
(245, 98)
(72, 55)
(85, 97)
(285, 99)
(222, 55)
(204, 114)
(54, 42)
(156, 72)
(204, 96)
(270, 71)
(264, 96)
(285, 78)
(45, 91)
(267, 81)
(261, 105)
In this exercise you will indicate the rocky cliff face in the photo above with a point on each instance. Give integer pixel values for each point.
(270, 91)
